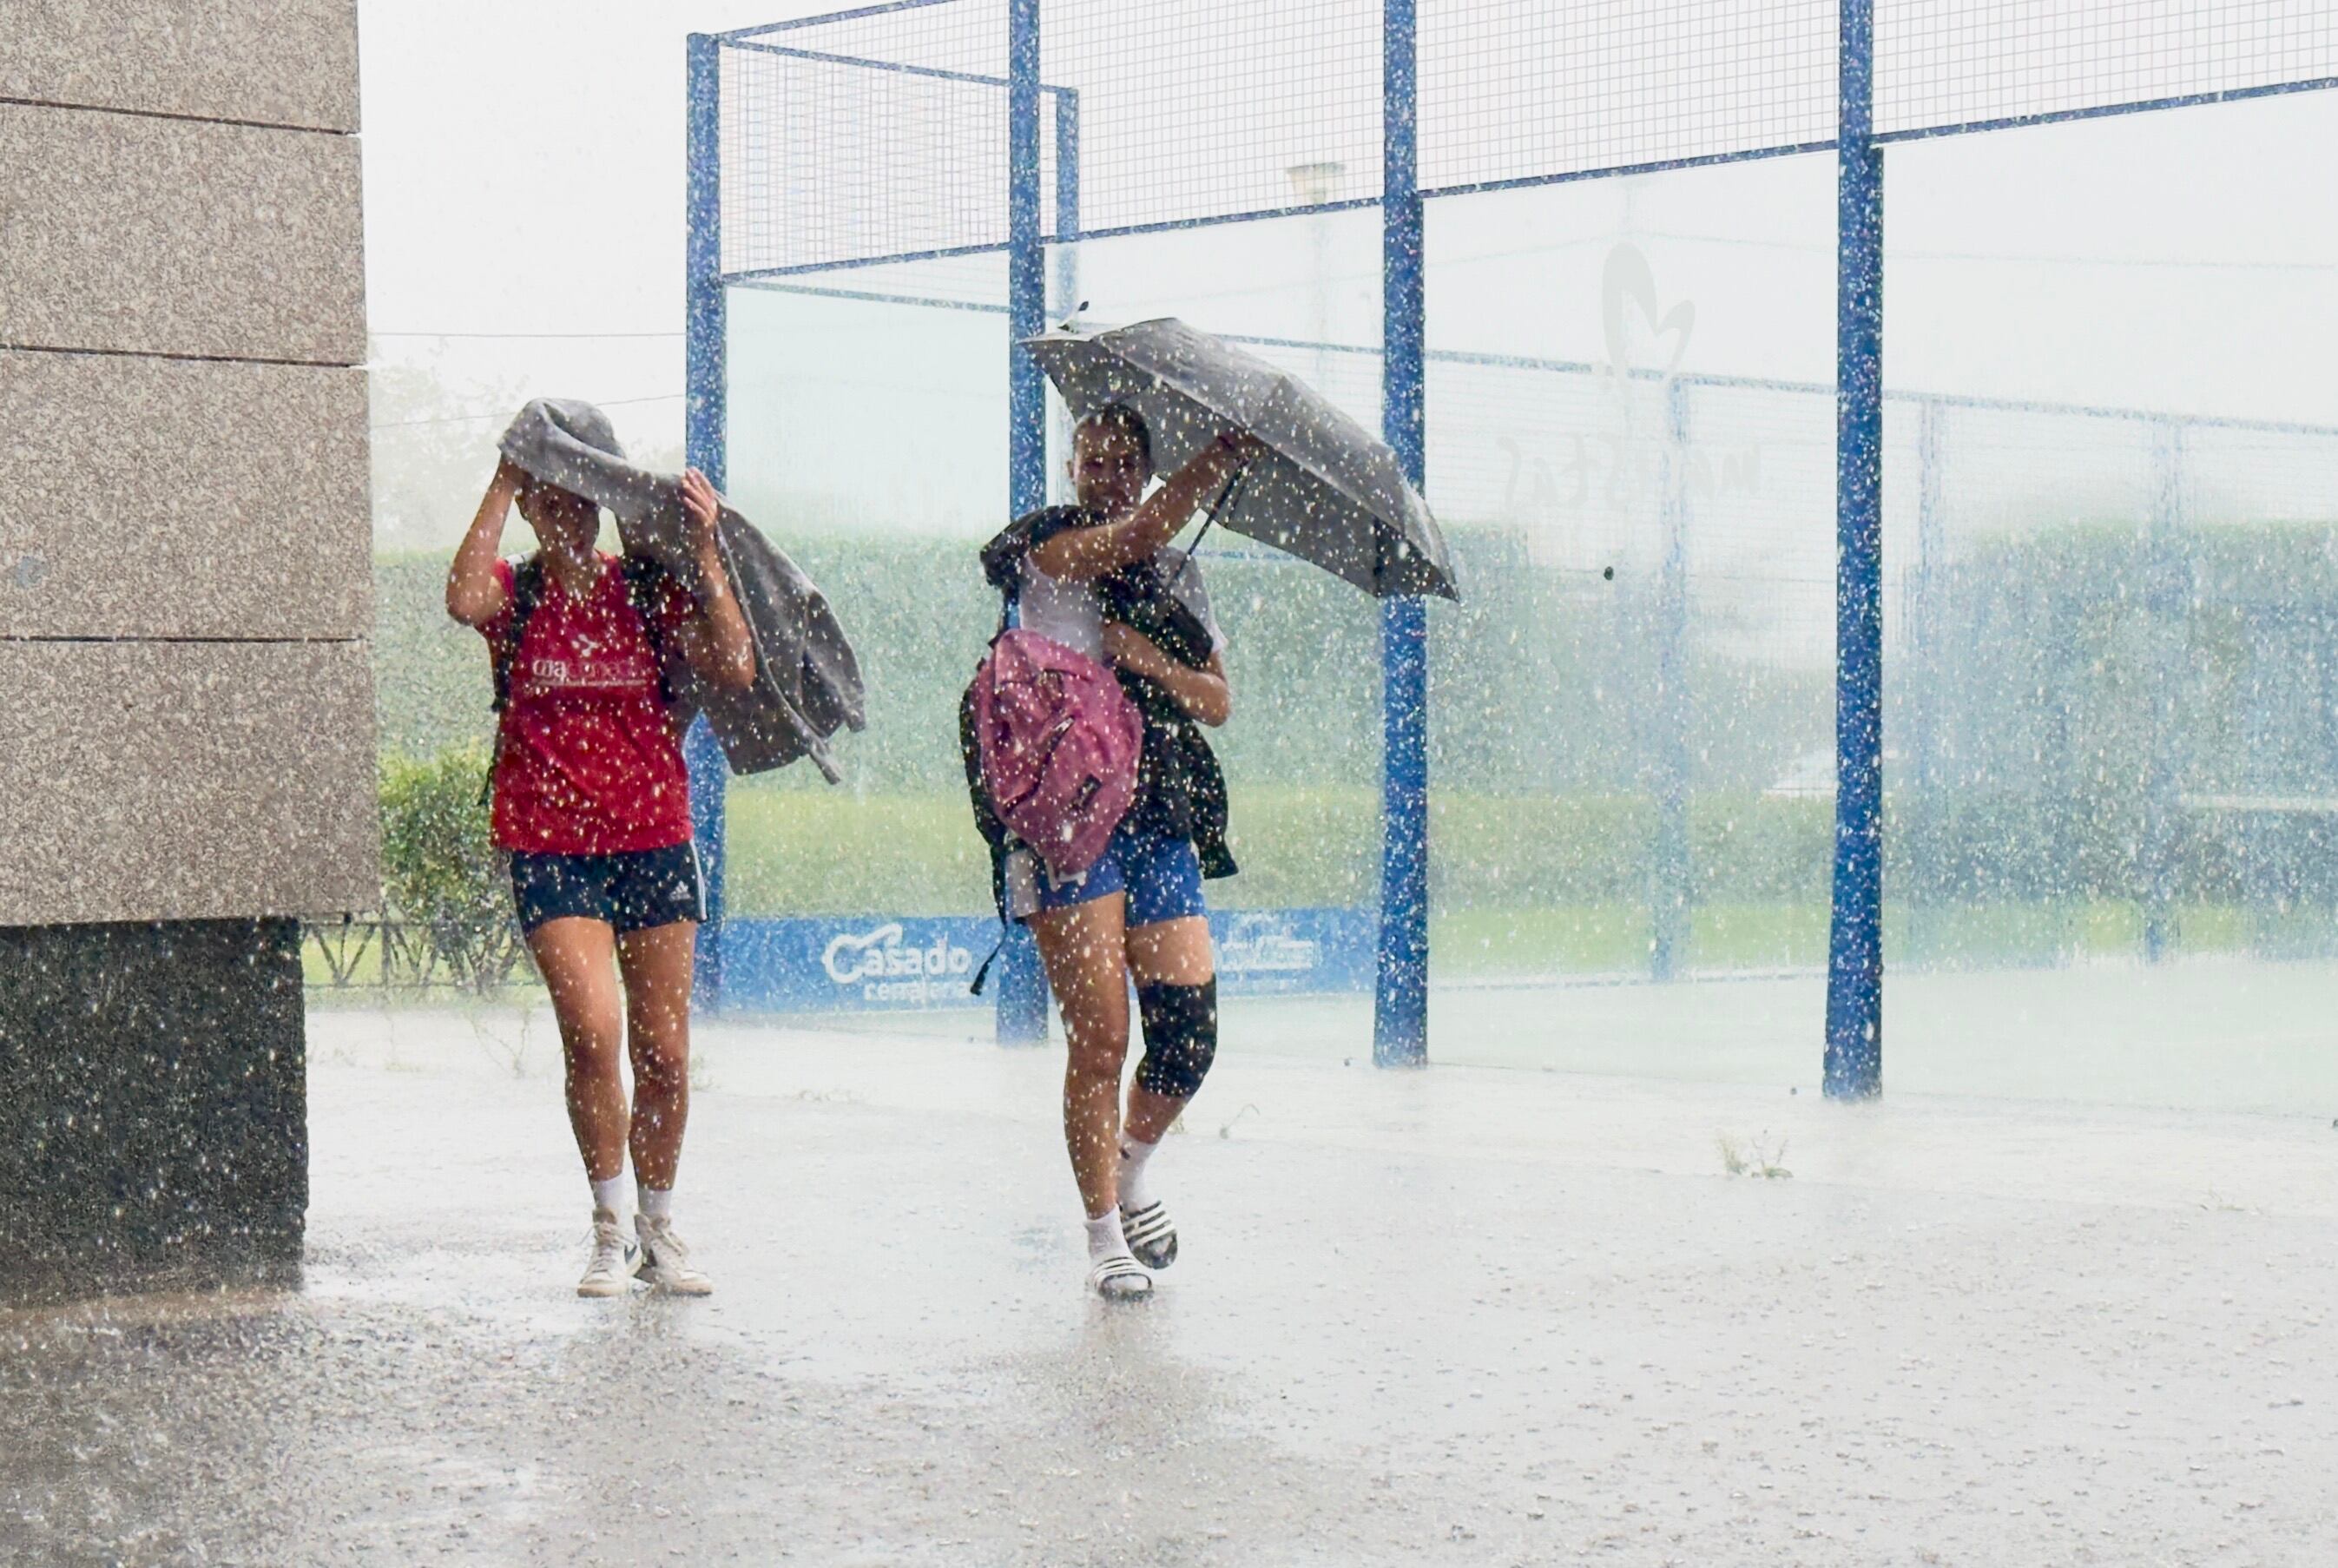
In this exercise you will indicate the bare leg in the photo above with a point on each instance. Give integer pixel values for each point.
(1083, 948)
(657, 969)
(574, 956)
(1169, 953)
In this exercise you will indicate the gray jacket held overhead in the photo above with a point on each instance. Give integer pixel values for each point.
(807, 680)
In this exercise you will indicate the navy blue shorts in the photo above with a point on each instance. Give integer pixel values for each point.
(634, 891)
(1161, 874)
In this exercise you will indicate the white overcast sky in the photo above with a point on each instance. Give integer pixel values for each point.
(524, 201)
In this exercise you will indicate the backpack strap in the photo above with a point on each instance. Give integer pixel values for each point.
(527, 592)
(643, 580)
(1002, 564)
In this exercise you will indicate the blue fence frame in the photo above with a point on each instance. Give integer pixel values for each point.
(1400, 1000)
(705, 442)
(1854, 1011)
(1022, 985)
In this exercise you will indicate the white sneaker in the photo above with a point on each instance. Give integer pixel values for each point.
(615, 1261)
(665, 1261)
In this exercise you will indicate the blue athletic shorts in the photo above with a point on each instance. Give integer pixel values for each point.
(1160, 873)
(633, 891)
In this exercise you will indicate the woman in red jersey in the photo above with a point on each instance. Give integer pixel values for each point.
(592, 802)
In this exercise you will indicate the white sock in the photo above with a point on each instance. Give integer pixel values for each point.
(1133, 1193)
(610, 1195)
(657, 1205)
(1104, 1238)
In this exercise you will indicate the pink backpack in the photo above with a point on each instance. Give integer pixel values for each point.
(1059, 742)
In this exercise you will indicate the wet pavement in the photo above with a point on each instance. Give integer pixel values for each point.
(1466, 1316)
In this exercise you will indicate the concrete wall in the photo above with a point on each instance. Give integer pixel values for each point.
(186, 731)
(154, 1105)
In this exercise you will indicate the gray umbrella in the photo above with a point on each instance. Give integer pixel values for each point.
(1330, 492)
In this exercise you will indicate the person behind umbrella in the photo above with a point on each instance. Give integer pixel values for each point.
(1099, 578)
(593, 802)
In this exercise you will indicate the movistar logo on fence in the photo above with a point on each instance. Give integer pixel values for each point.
(888, 969)
(1263, 945)
(1628, 452)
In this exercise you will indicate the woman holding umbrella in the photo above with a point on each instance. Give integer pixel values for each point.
(1098, 577)
(1275, 461)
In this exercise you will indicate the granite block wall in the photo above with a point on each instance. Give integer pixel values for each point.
(186, 740)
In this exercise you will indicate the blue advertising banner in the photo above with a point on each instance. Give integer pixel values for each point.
(841, 963)
(1296, 952)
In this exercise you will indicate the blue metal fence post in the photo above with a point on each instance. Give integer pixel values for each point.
(1400, 1005)
(1022, 983)
(705, 440)
(1064, 285)
(1067, 202)
(1854, 1017)
(1669, 890)
(2168, 610)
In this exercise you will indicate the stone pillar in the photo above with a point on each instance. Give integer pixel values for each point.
(186, 716)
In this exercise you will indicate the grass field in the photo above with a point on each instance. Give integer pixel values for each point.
(1520, 885)
(797, 850)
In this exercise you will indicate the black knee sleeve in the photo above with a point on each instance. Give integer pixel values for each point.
(1181, 1037)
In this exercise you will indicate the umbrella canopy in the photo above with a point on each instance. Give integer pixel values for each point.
(1328, 492)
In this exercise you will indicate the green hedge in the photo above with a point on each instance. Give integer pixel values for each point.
(441, 876)
(1541, 685)
(1519, 885)
(2030, 711)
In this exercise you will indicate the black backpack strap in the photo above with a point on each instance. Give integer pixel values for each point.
(1005, 554)
(643, 580)
(982, 976)
(527, 592)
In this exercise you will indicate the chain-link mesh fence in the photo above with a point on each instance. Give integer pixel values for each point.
(2106, 736)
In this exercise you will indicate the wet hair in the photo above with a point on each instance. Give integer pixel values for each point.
(1122, 417)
